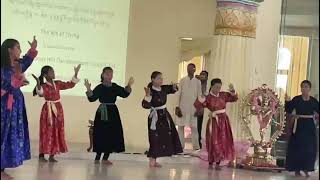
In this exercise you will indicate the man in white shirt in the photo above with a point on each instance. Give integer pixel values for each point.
(189, 91)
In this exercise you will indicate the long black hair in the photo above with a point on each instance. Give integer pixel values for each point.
(44, 71)
(5, 56)
(153, 76)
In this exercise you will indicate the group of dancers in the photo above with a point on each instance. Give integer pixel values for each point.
(164, 138)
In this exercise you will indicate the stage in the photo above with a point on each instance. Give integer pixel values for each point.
(79, 165)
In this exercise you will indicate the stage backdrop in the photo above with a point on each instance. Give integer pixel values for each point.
(92, 33)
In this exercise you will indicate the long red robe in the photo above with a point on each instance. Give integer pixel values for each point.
(52, 138)
(219, 140)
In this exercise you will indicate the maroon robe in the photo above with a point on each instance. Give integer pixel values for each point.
(219, 140)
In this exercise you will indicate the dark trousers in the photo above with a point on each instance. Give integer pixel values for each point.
(199, 124)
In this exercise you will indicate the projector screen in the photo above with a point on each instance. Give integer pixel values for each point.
(92, 33)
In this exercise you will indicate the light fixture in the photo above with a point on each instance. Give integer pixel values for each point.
(284, 59)
(187, 39)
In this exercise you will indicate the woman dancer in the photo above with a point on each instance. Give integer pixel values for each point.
(52, 140)
(302, 145)
(219, 140)
(107, 129)
(163, 136)
(15, 143)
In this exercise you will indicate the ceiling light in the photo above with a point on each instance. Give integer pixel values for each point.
(187, 39)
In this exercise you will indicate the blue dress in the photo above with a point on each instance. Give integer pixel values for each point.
(15, 143)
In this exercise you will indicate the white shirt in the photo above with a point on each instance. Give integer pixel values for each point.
(189, 91)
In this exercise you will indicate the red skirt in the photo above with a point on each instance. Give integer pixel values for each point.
(219, 140)
(52, 138)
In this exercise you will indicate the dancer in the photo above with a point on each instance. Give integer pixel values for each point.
(302, 145)
(203, 77)
(190, 89)
(15, 143)
(219, 140)
(163, 136)
(52, 140)
(107, 129)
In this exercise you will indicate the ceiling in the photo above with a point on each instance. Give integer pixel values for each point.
(300, 13)
(195, 47)
(302, 7)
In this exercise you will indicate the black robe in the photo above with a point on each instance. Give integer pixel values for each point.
(164, 141)
(302, 145)
(108, 132)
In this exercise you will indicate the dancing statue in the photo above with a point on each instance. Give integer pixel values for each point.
(263, 104)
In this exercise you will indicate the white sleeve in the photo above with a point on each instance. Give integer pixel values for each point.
(75, 80)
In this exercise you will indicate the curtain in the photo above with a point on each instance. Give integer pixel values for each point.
(299, 48)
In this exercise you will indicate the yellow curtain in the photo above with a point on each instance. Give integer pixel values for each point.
(299, 48)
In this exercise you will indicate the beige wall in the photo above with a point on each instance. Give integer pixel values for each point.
(153, 44)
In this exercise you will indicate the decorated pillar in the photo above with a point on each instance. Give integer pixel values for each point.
(236, 18)
(235, 30)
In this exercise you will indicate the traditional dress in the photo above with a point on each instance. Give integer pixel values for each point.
(15, 144)
(190, 90)
(163, 136)
(107, 130)
(52, 139)
(302, 145)
(219, 140)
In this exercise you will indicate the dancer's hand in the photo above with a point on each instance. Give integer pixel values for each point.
(287, 98)
(231, 88)
(147, 91)
(76, 70)
(175, 86)
(34, 43)
(87, 84)
(131, 81)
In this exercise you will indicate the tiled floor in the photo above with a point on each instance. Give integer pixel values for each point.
(78, 165)
(74, 169)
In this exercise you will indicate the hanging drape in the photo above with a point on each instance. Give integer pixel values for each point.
(299, 48)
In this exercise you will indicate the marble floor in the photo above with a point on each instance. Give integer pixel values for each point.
(131, 169)
(78, 165)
